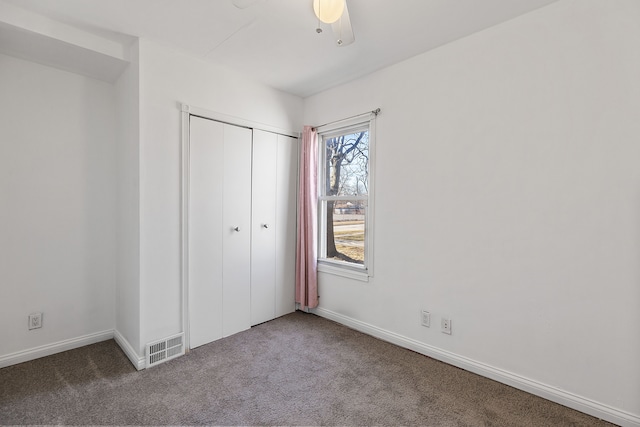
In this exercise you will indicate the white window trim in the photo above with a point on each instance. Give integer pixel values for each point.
(341, 268)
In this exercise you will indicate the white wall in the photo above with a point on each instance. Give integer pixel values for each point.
(127, 322)
(57, 199)
(508, 198)
(168, 78)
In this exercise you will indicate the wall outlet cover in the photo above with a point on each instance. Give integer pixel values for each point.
(446, 326)
(425, 318)
(35, 321)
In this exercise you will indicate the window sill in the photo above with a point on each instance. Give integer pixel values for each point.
(344, 271)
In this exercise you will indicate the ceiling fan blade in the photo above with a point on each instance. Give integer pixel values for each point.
(342, 30)
(243, 4)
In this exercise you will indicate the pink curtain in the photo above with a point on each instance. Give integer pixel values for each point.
(306, 259)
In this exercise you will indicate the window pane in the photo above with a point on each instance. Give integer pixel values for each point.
(347, 165)
(345, 230)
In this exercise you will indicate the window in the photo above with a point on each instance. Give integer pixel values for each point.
(344, 200)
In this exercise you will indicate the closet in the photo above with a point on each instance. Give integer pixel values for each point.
(241, 228)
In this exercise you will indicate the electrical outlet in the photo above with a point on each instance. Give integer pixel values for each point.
(426, 318)
(445, 326)
(35, 321)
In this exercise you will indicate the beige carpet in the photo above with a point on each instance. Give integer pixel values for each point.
(296, 370)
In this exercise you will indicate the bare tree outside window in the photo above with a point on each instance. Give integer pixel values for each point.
(346, 184)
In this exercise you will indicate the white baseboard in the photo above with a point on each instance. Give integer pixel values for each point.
(545, 391)
(137, 361)
(60, 346)
(57, 347)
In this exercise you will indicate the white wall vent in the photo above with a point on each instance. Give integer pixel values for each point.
(166, 349)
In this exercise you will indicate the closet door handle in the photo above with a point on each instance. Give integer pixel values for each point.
(265, 225)
(237, 229)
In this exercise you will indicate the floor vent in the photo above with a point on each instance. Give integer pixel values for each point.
(166, 349)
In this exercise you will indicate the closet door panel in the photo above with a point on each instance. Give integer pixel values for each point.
(205, 233)
(286, 208)
(236, 230)
(264, 228)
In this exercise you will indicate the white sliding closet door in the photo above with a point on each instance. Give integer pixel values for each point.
(273, 249)
(206, 175)
(263, 247)
(236, 230)
(286, 220)
(219, 255)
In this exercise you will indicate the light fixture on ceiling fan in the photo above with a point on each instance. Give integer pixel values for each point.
(328, 11)
(334, 12)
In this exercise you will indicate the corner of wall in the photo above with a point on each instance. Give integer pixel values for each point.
(127, 316)
(136, 360)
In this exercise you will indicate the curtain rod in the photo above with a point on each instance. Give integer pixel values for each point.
(374, 112)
